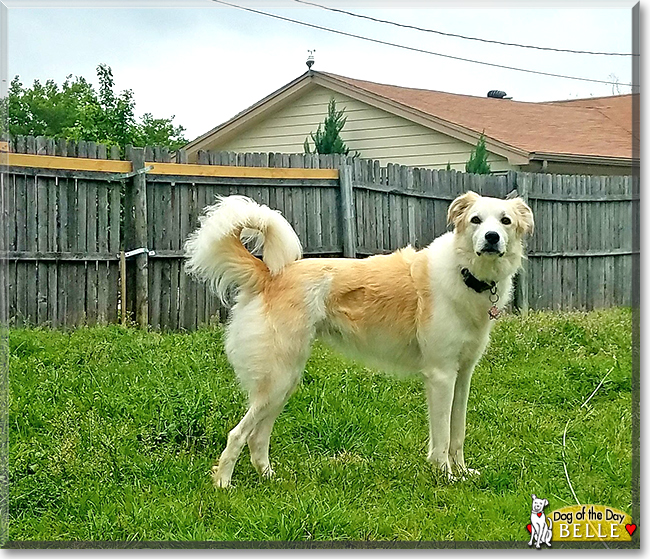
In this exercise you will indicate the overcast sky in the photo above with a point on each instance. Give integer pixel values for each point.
(204, 63)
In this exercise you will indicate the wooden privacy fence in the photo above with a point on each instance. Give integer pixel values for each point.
(70, 213)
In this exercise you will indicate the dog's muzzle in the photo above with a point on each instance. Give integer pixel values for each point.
(492, 244)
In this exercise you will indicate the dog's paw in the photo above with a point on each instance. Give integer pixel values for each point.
(218, 480)
(470, 472)
(464, 473)
(267, 473)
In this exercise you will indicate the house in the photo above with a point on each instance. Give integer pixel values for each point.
(423, 128)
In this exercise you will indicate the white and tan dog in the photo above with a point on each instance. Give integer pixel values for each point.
(425, 312)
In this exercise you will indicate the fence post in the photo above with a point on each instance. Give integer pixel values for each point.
(347, 212)
(520, 300)
(140, 237)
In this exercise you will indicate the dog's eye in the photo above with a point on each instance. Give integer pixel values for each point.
(476, 219)
(506, 220)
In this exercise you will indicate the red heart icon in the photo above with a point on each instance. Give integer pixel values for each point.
(539, 514)
(630, 528)
(529, 527)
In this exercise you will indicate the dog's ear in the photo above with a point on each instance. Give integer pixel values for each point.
(534, 497)
(545, 502)
(459, 206)
(524, 221)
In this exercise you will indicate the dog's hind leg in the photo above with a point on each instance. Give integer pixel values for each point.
(259, 439)
(267, 398)
(222, 472)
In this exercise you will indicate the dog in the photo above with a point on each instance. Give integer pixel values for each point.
(538, 527)
(427, 312)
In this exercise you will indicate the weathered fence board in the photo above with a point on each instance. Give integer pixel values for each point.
(64, 229)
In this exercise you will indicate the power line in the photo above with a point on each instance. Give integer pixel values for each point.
(459, 36)
(414, 49)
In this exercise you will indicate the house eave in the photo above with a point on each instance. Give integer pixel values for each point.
(583, 159)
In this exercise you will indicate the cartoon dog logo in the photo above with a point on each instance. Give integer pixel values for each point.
(539, 530)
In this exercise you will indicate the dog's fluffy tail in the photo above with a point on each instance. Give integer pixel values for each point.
(216, 253)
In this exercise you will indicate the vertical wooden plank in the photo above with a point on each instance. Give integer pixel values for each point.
(358, 202)
(11, 221)
(184, 196)
(606, 239)
(615, 263)
(581, 244)
(347, 212)
(140, 240)
(53, 218)
(104, 293)
(163, 195)
(560, 233)
(568, 242)
(41, 246)
(175, 268)
(369, 220)
(599, 262)
(632, 239)
(202, 294)
(21, 244)
(549, 245)
(439, 180)
(63, 246)
(190, 320)
(588, 269)
(92, 267)
(317, 216)
(521, 295)
(154, 243)
(394, 209)
(296, 160)
(114, 247)
(32, 246)
(81, 269)
(21, 144)
(377, 218)
(622, 281)
(411, 206)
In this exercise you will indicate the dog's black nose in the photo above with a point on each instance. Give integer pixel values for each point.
(492, 237)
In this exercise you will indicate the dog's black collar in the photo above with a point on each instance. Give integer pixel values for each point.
(476, 284)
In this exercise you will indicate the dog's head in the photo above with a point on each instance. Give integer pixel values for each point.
(490, 225)
(539, 504)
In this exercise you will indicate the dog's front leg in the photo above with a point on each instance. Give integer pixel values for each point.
(532, 534)
(458, 416)
(439, 384)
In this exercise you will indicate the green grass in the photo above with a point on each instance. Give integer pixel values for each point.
(113, 432)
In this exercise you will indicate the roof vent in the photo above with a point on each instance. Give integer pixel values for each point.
(496, 94)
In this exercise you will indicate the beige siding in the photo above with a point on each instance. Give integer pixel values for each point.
(374, 133)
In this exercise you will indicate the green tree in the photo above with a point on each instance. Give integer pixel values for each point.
(76, 111)
(478, 159)
(327, 138)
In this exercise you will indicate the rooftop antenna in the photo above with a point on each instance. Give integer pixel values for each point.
(310, 58)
